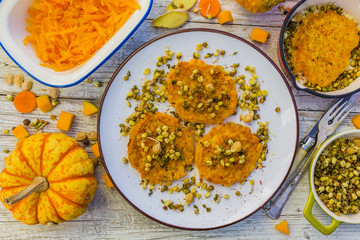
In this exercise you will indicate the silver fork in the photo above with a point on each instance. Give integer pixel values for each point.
(325, 126)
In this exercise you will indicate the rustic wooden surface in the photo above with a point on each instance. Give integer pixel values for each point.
(108, 215)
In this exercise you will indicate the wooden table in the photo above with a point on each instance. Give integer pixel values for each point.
(108, 215)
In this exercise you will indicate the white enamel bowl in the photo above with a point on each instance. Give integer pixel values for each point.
(12, 33)
(352, 7)
(313, 196)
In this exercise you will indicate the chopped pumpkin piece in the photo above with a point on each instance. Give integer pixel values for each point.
(89, 108)
(224, 17)
(95, 150)
(259, 35)
(108, 181)
(65, 121)
(356, 121)
(43, 102)
(283, 227)
(20, 132)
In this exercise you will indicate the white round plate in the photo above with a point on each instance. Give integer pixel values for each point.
(283, 127)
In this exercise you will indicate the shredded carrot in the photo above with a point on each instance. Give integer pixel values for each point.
(209, 8)
(66, 33)
(25, 101)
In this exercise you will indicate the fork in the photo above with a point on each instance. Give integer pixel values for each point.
(325, 126)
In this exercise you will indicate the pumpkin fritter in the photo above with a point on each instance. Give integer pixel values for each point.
(160, 148)
(227, 154)
(322, 46)
(201, 93)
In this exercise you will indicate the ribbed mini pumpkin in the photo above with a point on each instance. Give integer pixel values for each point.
(47, 179)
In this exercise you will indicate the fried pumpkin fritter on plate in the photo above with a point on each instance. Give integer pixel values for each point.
(322, 46)
(227, 154)
(160, 148)
(201, 93)
(256, 6)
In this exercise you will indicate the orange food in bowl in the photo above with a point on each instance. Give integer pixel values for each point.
(67, 33)
(322, 46)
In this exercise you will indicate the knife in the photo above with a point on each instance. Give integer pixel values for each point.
(323, 128)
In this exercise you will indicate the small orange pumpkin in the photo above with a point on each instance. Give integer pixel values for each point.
(48, 178)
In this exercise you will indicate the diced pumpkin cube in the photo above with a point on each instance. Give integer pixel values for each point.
(283, 227)
(108, 181)
(65, 121)
(43, 102)
(259, 35)
(20, 132)
(356, 121)
(95, 150)
(89, 108)
(224, 17)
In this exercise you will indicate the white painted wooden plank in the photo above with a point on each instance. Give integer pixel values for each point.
(111, 217)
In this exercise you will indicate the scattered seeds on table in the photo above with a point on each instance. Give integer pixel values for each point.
(26, 85)
(80, 136)
(53, 92)
(55, 102)
(9, 79)
(277, 109)
(10, 97)
(6, 151)
(97, 84)
(18, 80)
(92, 136)
(26, 122)
(5, 131)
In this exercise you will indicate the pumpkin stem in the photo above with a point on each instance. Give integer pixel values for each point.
(39, 184)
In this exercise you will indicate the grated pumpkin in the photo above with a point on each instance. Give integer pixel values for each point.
(66, 33)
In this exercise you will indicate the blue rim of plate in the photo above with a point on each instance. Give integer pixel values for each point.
(164, 36)
(286, 66)
(96, 67)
